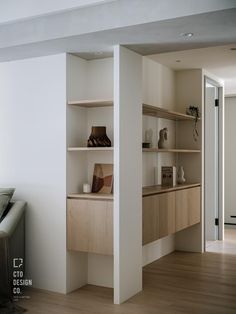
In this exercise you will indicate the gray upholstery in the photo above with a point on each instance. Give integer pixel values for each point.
(12, 238)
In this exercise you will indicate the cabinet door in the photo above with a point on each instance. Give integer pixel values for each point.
(181, 210)
(77, 225)
(90, 226)
(150, 219)
(166, 217)
(100, 227)
(194, 205)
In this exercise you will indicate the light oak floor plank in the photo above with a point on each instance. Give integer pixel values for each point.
(189, 283)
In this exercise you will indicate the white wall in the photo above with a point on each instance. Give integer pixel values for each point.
(33, 159)
(14, 10)
(230, 159)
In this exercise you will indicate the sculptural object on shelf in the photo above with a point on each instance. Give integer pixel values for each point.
(181, 179)
(98, 137)
(162, 143)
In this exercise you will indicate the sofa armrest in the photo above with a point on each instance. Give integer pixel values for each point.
(9, 223)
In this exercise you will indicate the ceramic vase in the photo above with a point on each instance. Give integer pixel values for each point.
(98, 137)
(181, 178)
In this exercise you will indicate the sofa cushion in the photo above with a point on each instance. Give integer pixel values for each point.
(5, 197)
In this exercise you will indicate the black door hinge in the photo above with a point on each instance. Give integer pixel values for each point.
(216, 102)
(216, 221)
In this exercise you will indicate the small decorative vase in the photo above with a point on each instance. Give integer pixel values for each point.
(162, 143)
(181, 178)
(98, 137)
(86, 188)
(148, 137)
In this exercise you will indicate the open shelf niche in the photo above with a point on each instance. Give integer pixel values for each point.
(156, 118)
(166, 96)
(90, 83)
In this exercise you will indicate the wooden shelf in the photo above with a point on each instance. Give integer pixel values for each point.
(148, 190)
(165, 114)
(89, 149)
(158, 189)
(170, 150)
(91, 196)
(92, 103)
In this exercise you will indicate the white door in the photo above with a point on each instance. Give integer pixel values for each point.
(211, 164)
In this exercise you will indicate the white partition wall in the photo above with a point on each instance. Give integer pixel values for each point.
(128, 174)
(33, 159)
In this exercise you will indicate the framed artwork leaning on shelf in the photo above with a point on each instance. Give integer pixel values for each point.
(102, 178)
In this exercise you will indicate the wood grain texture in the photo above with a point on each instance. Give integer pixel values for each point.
(166, 217)
(179, 283)
(90, 103)
(150, 219)
(170, 150)
(77, 225)
(90, 149)
(157, 189)
(181, 210)
(91, 196)
(194, 200)
(157, 112)
(167, 213)
(90, 226)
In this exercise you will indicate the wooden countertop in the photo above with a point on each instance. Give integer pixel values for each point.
(158, 189)
(147, 191)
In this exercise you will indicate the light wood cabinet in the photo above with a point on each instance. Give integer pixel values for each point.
(187, 208)
(194, 205)
(150, 219)
(90, 226)
(158, 216)
(166, 223)
(167, 213)
(90, 221)
(181, 209)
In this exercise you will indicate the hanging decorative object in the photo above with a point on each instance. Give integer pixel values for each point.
(162, 143)
(98, 137)
(195, 112)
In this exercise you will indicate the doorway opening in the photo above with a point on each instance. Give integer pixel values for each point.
(220, 210)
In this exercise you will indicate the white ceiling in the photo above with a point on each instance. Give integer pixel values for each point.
(15, 10)
(220, 61)
(146, 27)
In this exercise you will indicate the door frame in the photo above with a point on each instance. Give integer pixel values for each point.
(217, 83)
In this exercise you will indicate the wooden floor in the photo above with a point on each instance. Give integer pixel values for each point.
(189, 283)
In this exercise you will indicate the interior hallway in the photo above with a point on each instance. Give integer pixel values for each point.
(228, 246)
(178, 283)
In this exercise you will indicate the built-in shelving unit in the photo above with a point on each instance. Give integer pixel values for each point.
(89, 149)
(157, 112)
(171, 150)
(92, 103)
